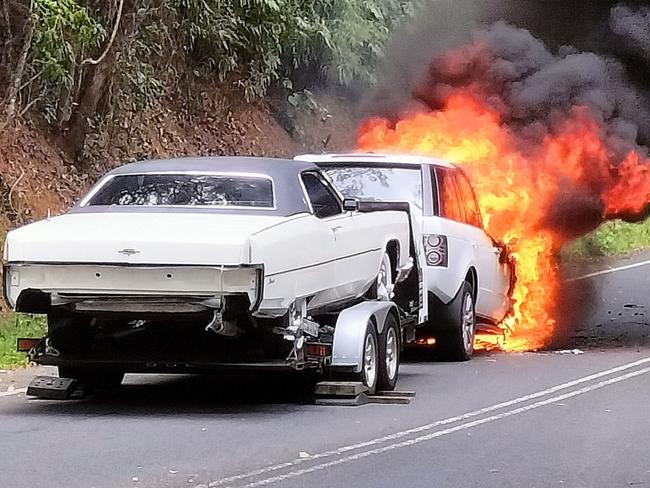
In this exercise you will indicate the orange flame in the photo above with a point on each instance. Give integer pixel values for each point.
(516, 190)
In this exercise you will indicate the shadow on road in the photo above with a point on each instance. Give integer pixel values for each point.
(157, 395)
(161, 395)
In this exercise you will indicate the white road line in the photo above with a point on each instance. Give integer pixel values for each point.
(608, 271)
(440, 433)
(426, 427)
(12, 392)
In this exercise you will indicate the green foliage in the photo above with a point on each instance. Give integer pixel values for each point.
(612, 238)
(269, 41)
(358, 31)
(13, 326)
(64, 32)
(253, 44)
(261, 40)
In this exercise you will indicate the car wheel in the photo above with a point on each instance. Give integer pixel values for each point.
(382, 288)
(101, 379)
(389, 354)
(69, 333)
(369, 374)
(457, 344)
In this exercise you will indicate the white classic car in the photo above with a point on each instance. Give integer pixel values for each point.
(468, 275)
(232, 244)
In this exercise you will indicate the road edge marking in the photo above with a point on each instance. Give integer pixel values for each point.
(17, 391)
(607, 271)
(430, 426)
(440, 433)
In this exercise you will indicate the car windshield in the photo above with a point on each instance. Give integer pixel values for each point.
(384, 184)
(225, 190)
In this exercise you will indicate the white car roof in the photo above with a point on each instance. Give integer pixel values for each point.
(373, 158)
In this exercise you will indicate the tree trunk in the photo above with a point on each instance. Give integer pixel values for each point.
(17, 78)
(95, 81)
(93, 87)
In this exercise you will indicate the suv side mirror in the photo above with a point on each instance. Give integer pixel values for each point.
(350, 204)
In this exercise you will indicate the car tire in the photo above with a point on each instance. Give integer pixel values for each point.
(457, 343)
(389, 354)
(69, 333)
(382, 288)
(100, 379)
(369, 374)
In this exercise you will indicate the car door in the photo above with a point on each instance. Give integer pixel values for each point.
(340, 244)
(492, 279)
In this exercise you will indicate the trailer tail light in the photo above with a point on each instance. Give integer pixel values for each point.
(436, 250)
(25, 344)
(318, 350)
(426, 341)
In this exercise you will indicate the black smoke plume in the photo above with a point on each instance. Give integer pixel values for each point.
(539, 60)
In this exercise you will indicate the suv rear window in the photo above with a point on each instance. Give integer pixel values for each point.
(191, 190)
(384, 184)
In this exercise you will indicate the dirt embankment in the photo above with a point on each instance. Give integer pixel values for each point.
(36, 177)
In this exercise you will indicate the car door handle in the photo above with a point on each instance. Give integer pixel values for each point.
(336, 229)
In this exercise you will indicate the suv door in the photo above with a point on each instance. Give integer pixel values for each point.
(494, 282)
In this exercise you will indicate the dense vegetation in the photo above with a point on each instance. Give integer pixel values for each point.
(610, 239)
(69, 60)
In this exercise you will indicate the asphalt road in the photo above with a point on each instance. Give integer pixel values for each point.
(501, 420)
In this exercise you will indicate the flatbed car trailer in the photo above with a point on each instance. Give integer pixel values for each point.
(357, 350)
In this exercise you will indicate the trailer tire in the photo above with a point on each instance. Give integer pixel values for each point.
(369, 374)
(99, 379)
(389, 354)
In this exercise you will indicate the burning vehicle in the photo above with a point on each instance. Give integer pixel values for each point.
(554, 137)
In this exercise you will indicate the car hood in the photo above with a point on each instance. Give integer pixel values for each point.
(138, 238)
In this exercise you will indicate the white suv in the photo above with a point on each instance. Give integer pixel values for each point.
(469, 275)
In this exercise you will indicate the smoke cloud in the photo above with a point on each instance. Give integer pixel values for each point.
(600, 48)
(536, 63)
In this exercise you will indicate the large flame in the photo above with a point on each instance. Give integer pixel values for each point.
(516, 189)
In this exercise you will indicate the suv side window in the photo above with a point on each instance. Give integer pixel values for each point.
(323, 200)
(450, 206)
(468, 197)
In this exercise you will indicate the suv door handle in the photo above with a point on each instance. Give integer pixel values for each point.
(336, 229)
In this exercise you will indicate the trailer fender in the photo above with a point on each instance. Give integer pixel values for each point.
(350, 331)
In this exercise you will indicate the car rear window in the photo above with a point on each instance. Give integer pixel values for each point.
(187, 190)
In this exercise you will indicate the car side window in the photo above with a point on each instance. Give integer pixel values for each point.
(450, 206)
(323, 200)
(468, 197)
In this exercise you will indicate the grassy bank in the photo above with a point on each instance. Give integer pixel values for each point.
(13, 326)
(611, 239)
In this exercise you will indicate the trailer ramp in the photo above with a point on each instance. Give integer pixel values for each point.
(353, 393)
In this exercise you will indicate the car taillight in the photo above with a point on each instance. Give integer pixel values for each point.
(436, 250)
